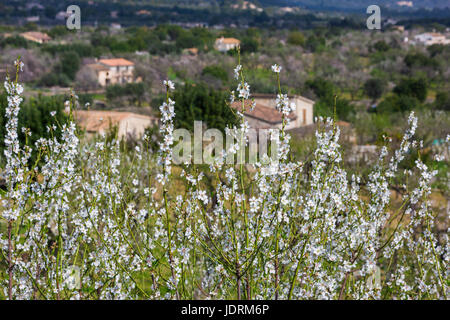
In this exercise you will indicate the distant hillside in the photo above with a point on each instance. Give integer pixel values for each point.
(352, 5)
(342, 5)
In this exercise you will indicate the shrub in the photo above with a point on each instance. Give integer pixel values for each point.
(419, 60)
(249, 45)
(97, 222)
(199, 102)
(396, 103)
(315, 44)
(442, 101)
(296, 38)
(70, 63)
(381, 46)
(374, 88)
(416, 88)
(216, 72)
(324, 107)
(133, 92)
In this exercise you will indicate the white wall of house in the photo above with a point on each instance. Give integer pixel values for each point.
(102, 76)
(134, 125)
(116, 75)
(222, 46)
(304, 109)
(429, 39)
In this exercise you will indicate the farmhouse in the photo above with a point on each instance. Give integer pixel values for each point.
(247, 6)
(129, 125)
(405, 4)
(36, 36)
(265, 116)
(113, 71)
(190, 51)
(143, 13)
(431, 38)
(225, 44)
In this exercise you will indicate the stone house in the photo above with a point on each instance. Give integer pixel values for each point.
(431, 38)
(225, 44)
(113, 71)
(100, 122)
(265, 115)
(36, 36)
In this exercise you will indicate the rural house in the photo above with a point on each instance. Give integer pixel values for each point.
(36, 36)
(265, 116)
(113, 71)
(431, 38)
(225, 44)
(128, 124)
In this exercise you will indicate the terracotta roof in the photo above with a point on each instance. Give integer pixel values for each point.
(191, 50)
(97, 67)
(435, 34)
(116, 62)
(37, 35)
(95, 121)
(271, 96)
(261, 112)
(143, 12)
(228, 40)
(343, 123)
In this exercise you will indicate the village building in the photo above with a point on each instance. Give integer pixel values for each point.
(265, 116)
(398, 28)
(62, 15)
(128, 124)
(190, 51)
(113, 71)
(225, 44)
(36, 36)
(32, 19)
(405, 4)
(115, 26)
(431, 38)
(246, 5)
(143, 13)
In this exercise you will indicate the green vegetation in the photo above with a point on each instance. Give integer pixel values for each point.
(374, 88)
(216, 71)
(35, 116)
(328, 99)
(110, 197)
(133, 92)
(198, 102)
(296, 38)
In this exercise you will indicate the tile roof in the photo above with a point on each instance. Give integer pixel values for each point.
(262, 112)
(97, 67)
(37, 35)
(228, 40)
(435, 34)
(116, 62)
(96, 121)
